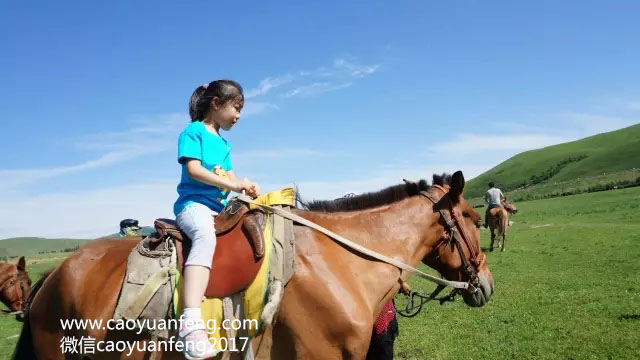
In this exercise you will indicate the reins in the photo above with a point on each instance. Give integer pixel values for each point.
(357, 247)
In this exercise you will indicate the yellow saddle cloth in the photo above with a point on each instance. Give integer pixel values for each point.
(255, 294)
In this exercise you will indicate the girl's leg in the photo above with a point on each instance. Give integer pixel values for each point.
(196, 221)
(196, 279)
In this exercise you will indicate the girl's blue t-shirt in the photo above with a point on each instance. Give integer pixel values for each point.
(196, 142)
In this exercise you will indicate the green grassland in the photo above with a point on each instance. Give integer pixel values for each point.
(28, 246)
(596, 155)
(568, 287)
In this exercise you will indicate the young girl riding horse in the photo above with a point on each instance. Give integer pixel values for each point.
(207, 178)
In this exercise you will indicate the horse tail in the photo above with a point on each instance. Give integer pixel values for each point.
(24, 348)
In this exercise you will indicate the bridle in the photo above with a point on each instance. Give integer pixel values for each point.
(14, 282)
(456, 235)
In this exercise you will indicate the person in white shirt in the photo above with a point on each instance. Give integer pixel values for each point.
(493, 197)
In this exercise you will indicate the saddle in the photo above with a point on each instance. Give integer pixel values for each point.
(239, 247)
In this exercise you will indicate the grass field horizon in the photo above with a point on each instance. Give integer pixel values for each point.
(567, 287)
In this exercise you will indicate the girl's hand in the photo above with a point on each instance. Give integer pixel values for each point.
(255, 190)
(252, 189)
(240, 186)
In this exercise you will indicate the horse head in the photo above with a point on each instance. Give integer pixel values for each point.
(457, 254)
(24, 279)
(510, 207)
(15, 286)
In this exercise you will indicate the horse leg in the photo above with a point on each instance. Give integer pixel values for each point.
(505, 227)
(504, 238)
(493, 238)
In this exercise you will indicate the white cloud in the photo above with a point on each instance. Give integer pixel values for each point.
(592, 124)
(305, 83)
(355, 70)
(255, 108)
(315, 89)
(162, 126)
(160, 133)
(86, 214)
(13, 178)
(472, 143)
(267, 84)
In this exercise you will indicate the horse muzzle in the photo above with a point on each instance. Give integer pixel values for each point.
(483, 291)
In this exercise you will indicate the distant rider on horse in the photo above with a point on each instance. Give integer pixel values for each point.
(494, 197)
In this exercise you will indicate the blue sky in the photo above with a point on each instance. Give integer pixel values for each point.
(341, 96)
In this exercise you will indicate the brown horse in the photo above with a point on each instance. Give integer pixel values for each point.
(499, 223)
(15, 286)
(331, 302)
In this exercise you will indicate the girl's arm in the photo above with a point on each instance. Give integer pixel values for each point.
(232, 176)
(198, 172)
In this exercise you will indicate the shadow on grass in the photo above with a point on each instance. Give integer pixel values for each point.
(629, 317)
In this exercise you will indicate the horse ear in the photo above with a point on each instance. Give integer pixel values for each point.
(457, 186)
(22, 264)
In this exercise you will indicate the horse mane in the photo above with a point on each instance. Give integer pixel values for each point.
(370, 200)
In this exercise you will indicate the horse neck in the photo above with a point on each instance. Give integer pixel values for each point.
(405, 231)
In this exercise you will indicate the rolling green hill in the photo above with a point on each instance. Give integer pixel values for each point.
(603, 153)
(20, 246)
(33, 245)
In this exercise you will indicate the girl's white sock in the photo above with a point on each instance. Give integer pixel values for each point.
(192, 317)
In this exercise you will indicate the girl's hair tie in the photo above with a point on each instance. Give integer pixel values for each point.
(205, 85)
